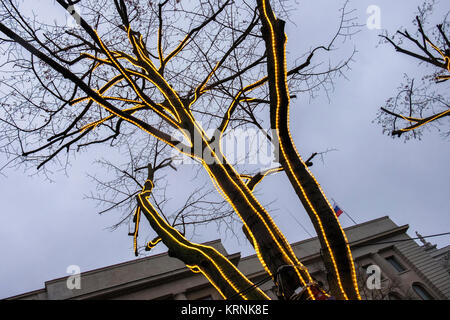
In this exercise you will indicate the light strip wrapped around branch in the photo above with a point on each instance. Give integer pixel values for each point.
(337, 255)
(220, 272)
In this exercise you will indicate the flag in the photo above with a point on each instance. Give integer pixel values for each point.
(337, 210)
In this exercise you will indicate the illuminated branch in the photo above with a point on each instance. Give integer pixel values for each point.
(220, 272)
(263, 232)
(155, 77)
(125, 74)
(253, 181)
(338, 261)
(94, 95)
(417, 100)
(442, 62)
(227, 117)
(432, 61)
(237, 74)
(98, 122)
(446, 60)
(418, 122)
(151, 244)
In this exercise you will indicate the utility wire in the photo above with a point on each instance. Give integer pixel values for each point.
(264, 280)
(399, 240)
(301, 225)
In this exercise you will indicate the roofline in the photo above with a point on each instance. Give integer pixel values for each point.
(121, 264)
(397, 229)
(26, 294)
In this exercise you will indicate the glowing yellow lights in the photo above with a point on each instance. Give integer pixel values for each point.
(177, 49)
(223, 266)
(131, 82)
(136, 229)
(277, 237)
(282, 79)
(201, 88)
(421, 122)
(158, 75)
(160, 51)
(96, 123)
(102, 90)
(446, 60)
(155, 107)
(236, 100)
(153, 243)
(194, 269)
(262, 175)
(410, 119)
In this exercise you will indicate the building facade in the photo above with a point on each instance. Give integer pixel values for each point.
(381, 249)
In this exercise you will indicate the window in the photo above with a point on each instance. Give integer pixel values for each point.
(397, 265)
(421, 292)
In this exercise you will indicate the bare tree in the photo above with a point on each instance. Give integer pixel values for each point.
(136, 69)
(423, 102)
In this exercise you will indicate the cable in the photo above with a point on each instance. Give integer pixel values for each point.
(264, 280)
(400, 240)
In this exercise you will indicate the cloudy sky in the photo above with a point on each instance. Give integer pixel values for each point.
(45, 227)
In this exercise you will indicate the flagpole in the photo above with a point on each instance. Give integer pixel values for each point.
(349, 217)
(334, 203)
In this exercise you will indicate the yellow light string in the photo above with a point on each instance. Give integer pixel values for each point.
(136, 229)
(446, 59)
(130, 81)
(152, 66)
(174, 234)
(236, 99)
(265, 174)
(439, 115)
(124, 75)
(96, 123)
(274, 45)
(292, 259)
(153, 243)
(102, 90)
(160, 52)
(176, 50)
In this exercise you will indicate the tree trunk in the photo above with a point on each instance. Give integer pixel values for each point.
(337, 255)
(272, 248)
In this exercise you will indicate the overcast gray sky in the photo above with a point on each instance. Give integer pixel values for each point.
(45, 227)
